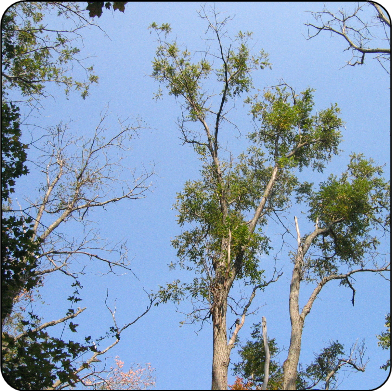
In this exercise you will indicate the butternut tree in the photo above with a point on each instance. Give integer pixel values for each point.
(224, 213)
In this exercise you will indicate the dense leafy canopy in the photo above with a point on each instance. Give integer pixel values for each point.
(13, 151)
(354, 206)
(289, 136)
(50, 358)
(292, 135)
(16, 234)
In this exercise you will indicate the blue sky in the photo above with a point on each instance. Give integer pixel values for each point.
(182, 356)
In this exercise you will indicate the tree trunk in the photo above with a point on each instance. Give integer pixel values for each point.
(221, 350)
(267, 354)
(291, 364)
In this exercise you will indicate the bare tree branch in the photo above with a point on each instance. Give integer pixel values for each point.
(356, 31)
(246, 307)
(86, 364)
(308, 306)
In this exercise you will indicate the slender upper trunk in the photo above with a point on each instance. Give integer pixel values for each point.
(267, 354)
(291, 363)
(297, 321)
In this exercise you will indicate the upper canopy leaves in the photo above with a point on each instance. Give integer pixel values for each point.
(182, 75)
(34, 54)
(290, 133)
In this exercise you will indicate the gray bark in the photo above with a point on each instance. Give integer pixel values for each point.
(291, 364)
(221, 351)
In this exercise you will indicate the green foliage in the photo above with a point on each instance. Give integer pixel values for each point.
(290, 133)
(174, 68)
(384, 340)
(203, 203)
(50, 357)
(251, 366)
(95, 8)
(353, 205)
(223, 214)
(324, 363)
(18, 249)
(292, 137)
(13, 152)
(19, 257)
(171, 292)
(164, 27)
(239, 64)
(177, 70)
(33, 54)
(33, 359)
(200, 203)
(214, 211)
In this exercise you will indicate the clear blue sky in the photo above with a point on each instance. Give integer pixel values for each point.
(182, 356)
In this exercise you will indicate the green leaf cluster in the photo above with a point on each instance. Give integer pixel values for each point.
(171, 292)
(239, 64)
(323, 364)
(33, 55)
(252, 353)
(95, 8)
(18, 248)
(13, 151)
(292, 135)
(52, 358)
(19, 257)
(199, 206)
(384, 340)
(174, 68)
(177, 70)
(251, 366)
(352, 205)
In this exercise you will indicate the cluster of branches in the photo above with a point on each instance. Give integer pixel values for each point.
(364, 35)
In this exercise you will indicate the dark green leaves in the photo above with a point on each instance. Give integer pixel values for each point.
(13, 152)
(95, 8)
(50, 357)
(18, 248)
